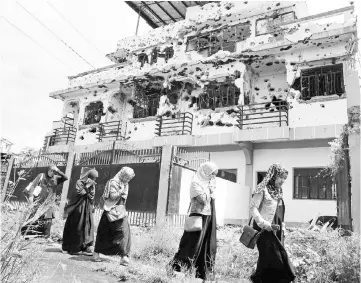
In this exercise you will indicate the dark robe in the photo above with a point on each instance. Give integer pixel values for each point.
(113, 238)
(79, 226)
(198, 247)
(273, 264)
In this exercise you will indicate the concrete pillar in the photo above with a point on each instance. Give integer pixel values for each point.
(69, 168)
(247, 148)
(164, 183)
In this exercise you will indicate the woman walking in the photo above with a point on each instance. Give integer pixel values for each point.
(41, 191)
(198, 248)
(113, 235)
(78, 235)
(268, 209)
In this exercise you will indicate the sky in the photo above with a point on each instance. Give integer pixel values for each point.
(36, 58)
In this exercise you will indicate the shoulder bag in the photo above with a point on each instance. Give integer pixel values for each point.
(193, 223)
(249, 235)
(117, 212)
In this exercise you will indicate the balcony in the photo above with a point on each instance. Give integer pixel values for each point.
(110, 131)
(180, 124)
(64, 135)
(256, 115)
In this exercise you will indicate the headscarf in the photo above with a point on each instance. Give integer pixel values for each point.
(201, 181)
(88, 173)
(274, 171)
(120, 181)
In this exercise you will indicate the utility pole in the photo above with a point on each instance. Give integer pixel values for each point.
(136, 31)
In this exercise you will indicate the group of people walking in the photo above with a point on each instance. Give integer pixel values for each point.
(198, 245)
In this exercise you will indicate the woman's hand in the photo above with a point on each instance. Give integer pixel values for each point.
(267, 226)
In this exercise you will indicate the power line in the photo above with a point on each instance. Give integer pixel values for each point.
(33, 40)
(63, 17)
(56, 35)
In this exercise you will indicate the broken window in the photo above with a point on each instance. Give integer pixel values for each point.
(271, 23)
(309, 184)
(222, 39)
(167, 53)
(218, 96)
(146, 105)
(93, 113)
(322, 81)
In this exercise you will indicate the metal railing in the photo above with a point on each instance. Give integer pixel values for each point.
(63, 136)
(110, 131)
(179, 124)
(258, 114)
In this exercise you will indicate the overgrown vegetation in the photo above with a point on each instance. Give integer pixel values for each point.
(318, 257)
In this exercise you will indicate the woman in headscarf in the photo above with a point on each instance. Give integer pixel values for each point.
(41, 191)
(78, 235)
(198, 248)
(113, 235)
(268, 209)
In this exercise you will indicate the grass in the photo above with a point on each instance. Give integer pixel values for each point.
(318, 257)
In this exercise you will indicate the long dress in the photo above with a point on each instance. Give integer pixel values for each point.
(273, 264)
(78, 232)
(114, 238)
(198, 248)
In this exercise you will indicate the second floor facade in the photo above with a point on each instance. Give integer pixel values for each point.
(241, 73)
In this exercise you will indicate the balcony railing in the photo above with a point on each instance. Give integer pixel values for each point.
(63, 136)
(110, 131)
(257, 114)
(180, 124)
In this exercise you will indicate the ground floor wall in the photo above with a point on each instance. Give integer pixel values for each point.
(297, 210)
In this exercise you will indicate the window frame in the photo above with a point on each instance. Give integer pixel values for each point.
(225, 169)
(100, 109)
(332, 190)
(335, 70)
(269, 17)
(211, 47)
(210, 96)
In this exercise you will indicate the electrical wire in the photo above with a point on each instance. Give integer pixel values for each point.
(37, 43)
(67, 45)
(73, 27)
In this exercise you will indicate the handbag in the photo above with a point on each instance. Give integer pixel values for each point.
(193, 223)
(116, 213)
(249, 235)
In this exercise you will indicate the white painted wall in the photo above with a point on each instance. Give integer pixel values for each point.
(318, 113)
(231, 199)
(231, 160)
(296, 210)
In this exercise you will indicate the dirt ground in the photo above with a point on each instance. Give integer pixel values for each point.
(57, 267)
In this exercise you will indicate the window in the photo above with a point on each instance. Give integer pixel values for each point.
(218, 96)
(146, 106)
(322, 81)
(309, 184)
(222, 39)
(271, 23)
(228, 174)
(93, 113)
(167, 53)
